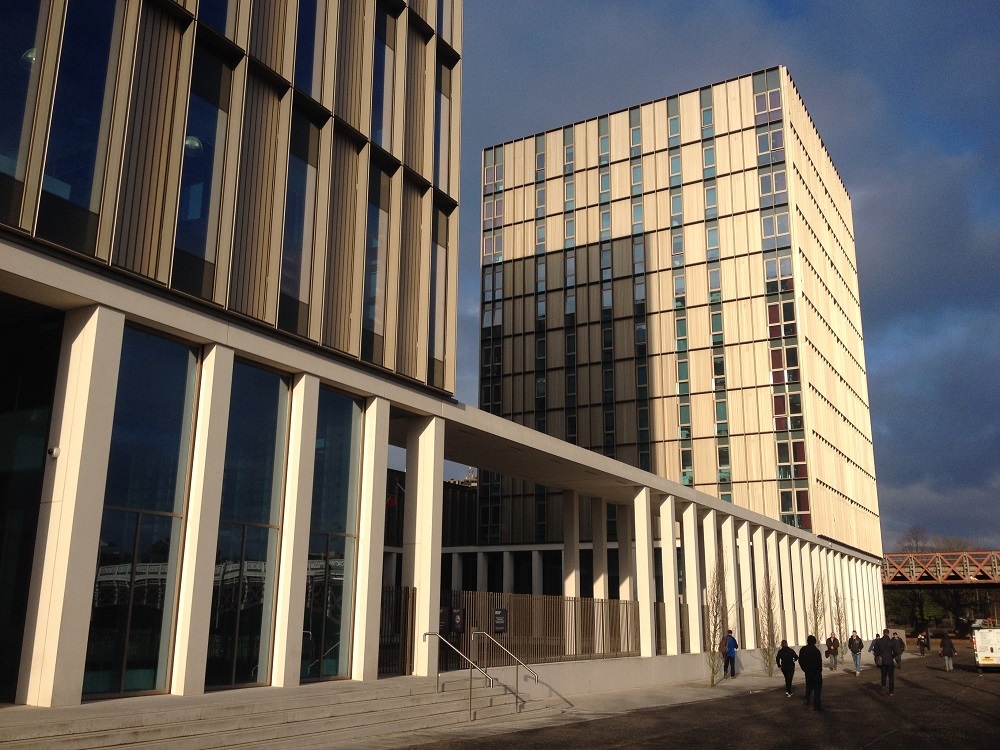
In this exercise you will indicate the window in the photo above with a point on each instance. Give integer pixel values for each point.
(784, 365)
(73, 181)
(138, 559)
(683, 383)
(679, 297)
(788, 412)
(438, 298)
(569, 230)
(635, 172)
(569, 194)
(540, 236)
(492, 211)
(604, 184)
(778, 274)
(711, 202)
(773, 187)
(376, 254)
(767, 96)
(684, 420)
(638, 256)
(716, 321)
(675, 168)
(673, 123)
(781, 319)
(442, 127)
(721, 418)
(677, 247)
(309, 44)
(687, 466)
(770, 144)
(539, 158)
(383, 77)
(714, 284)
(719, 372)
(676, 208)
(637, 215)
(493, 170)
(725, 473)
(569, 152)
(300, 210)
(792, 459)
(196, 240)
(680, 329)
(493, 246)
(712, 241)
(249, 529)
(603, 141)
(540, 200)
(707, 115)
(708, 160)
(540, 275)
(635, 132)
(775, 230)
(605, 217)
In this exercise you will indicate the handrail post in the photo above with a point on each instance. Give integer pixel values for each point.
(472, 665)
(517, 664)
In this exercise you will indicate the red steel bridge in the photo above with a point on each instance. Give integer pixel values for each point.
(920, 569)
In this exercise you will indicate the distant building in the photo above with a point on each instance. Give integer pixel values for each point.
(675, 285)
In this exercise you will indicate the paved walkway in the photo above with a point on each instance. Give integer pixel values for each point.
(931, 709)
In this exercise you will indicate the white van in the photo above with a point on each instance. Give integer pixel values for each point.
(986, 647)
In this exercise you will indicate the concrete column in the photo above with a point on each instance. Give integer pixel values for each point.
(787, 588)
(645, 589)
(626, 567)
(799, 588)
(808, 587)
(537, 579)
(296, 516)
(371, 541)
(72, 503)
(869, 598)
(668, 554)
(860, 620)
(194, 600)
(748, 636)
(727, 528)
(692, 577)
(422, 533)
(482, 571)
(599, 521)
(571, 544)
(865, 596)
(818, 579)
(761, 577)
(456, 571)
(710, 542)
(879, 593)
(780, 586)
(508, 572)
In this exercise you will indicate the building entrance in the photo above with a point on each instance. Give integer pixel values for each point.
(30, 338)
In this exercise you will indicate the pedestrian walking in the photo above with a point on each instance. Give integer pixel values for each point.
(728, 648)
(948, 652)
(832, 649)
(885, 650)
(922, 644)
(899, 646)
(873, 650)
(855, 645)
(785, 660)
(811, 662)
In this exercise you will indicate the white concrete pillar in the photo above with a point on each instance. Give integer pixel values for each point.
(796, 550)
(599, 522)
(626, 567)
(571, 544)
(748, 635)
(371, 541)
(692, 577)
(866, 604)
(762, 577)
(879, 592)
(710, 544)
(456, 571)
(645, 578)
(809, 582)
(508, 571)
(860, 621)
(422, 533)
(296, 517)
(668, 557)
(482, 572)
(774, 570)
(72, 505)
(537, 569)
(787, 588)
(819, 579)
(727, 529)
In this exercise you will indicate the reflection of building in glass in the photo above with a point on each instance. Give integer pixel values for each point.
(675, 285)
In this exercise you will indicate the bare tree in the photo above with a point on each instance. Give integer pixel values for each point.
(840, 618)
(768, 626)
(717, 617)
(818, 609)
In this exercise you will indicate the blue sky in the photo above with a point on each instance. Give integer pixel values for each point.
(906, 96)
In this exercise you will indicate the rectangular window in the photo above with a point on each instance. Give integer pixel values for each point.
(675, 168)
(683, 383)
(712, 242)
(442, 128)
(604, 184)
(677, 248)
(711, 202)
(300, 215)
(569, 194)
(376, 257)
(714, 285)
(540, 200)
(73, 180)
(438, 301)
(569, 230)
(708, 161)
(138, 560)
(309, 45)
(635, 132)
(637, 215)
(603, 141)
(673, 123)
(635, 172)
(676, 208)
(249, 530)
(540, 236)
(383, 77)
(569, 155)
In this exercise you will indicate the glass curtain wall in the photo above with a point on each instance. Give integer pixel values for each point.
(309, 46)
(78, 133)
(383, 75)
(20, 61)
(132, 617)
(376, 258)
(333, 539)
(239, 645)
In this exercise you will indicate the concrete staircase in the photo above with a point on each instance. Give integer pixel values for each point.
(301, 717)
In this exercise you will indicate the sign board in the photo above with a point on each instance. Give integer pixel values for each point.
(458, 621)
(499, 620)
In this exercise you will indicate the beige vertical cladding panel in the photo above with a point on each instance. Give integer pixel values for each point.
(328, 63)
(153, 152)
(353, 87)
(619, 128)
(268, 34)
(689, 106)
(111, 146)
(345, 246)
(259, 162)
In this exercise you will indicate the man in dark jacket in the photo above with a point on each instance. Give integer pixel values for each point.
(811, 662)
(887, 651)
(856, 645)
(785, 660)
(948, 652)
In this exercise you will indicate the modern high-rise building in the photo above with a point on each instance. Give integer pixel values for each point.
(228, 253)
(675, 285)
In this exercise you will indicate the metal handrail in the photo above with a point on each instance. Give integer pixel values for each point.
(472, 665)
(517, 703)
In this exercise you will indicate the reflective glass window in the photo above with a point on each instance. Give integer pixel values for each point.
(376, 253)
(383, 77)
(309, 46)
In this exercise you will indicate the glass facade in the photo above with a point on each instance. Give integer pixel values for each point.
(132, 618)
(383, 76)
(239, 645)
(333, 538)
(376, 256)
(77, 145)
(309, 46)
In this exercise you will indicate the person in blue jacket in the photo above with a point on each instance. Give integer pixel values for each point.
(728, 648)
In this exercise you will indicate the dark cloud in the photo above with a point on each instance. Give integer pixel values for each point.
(907, 99)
